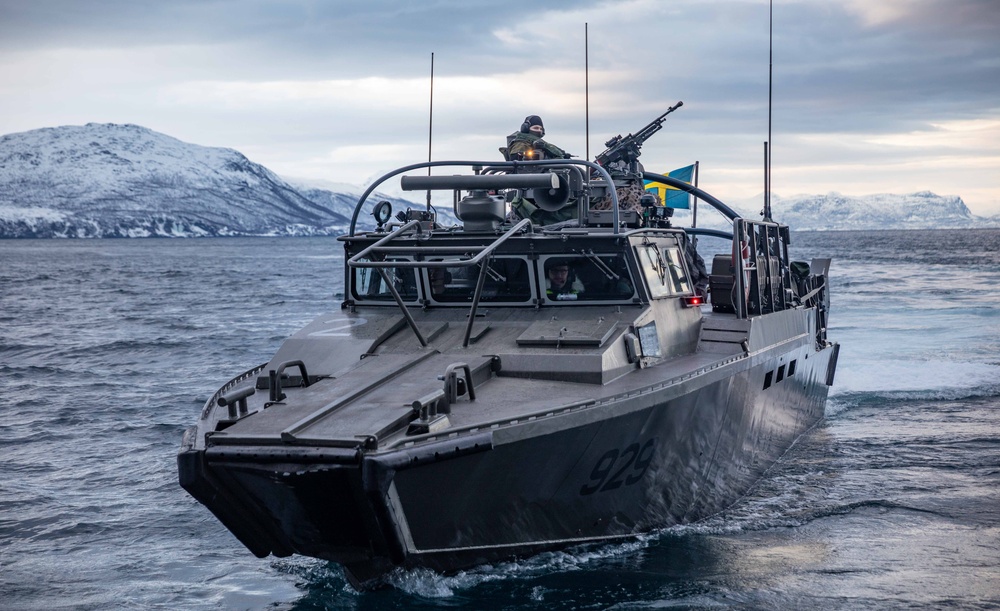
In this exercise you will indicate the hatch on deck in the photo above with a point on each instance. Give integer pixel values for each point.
(568, 333)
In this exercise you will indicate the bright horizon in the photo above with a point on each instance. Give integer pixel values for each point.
(897, 97)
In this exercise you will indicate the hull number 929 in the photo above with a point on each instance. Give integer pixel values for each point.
(617, 468)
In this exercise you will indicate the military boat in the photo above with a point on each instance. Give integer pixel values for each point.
(460, 408)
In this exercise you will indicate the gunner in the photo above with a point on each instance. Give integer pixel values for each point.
(524, 143)
(527, 144)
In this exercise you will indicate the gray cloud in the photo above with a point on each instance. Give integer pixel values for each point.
(282, 38)
(852, 68)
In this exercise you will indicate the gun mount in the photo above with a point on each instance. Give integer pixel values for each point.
(622, 153)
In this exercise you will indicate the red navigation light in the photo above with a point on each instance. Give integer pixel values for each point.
(693, 300)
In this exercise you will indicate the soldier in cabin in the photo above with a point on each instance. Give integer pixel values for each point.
(561, 282)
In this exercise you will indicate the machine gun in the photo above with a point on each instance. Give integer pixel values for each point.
(622, 153)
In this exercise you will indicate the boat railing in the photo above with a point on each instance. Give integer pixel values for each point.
(477, 180)
(377, 256)
(762, 282)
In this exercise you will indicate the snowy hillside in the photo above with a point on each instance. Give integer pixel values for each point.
(108, 180)
(923, 210)
(342, 198)
(833, 211)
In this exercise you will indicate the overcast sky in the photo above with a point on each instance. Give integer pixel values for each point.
(870, 96)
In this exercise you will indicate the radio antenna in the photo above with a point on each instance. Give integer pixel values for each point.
(586, 89)
(768, 149)
(430, 130)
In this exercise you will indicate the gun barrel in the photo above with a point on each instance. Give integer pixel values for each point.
(622, 148)
(656, 124)
(662, 117)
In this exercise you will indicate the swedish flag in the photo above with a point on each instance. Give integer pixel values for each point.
(673, 197)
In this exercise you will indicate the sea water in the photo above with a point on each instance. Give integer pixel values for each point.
(109, 349)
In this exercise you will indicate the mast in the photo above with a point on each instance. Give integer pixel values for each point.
(694, 205)
(430, 130)
(586, 90)
(766, 212)
(770, 72)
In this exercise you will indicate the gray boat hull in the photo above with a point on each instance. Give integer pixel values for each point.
(498, 389)
(645, 459)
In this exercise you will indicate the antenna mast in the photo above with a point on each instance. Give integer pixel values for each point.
(430, 130)
(586, 89)
(767, 147)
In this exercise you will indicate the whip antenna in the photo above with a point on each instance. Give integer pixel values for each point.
(430, 130)
(767, 148)
(586, 90)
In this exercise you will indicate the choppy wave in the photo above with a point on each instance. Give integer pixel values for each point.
(430, 584)
(909, 378)
(114, 346)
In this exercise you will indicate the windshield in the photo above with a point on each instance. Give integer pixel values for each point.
(507, 280)
(369, 285)
(591, 277)
(663, 269)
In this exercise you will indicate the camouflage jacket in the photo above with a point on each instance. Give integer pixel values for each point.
(526, 209)
(519, 142)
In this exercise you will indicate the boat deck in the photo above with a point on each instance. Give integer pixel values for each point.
(376, 397)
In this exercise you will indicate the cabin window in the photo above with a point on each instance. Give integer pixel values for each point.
(507, 280)
(593, 277)
(369, 284)
(664, 271)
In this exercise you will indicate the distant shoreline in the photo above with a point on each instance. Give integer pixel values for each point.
(336, 235)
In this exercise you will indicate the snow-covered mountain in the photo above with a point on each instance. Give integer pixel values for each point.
(922, 210)
(108, 180)
(834, 211)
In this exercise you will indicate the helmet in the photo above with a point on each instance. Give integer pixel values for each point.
(531, 121)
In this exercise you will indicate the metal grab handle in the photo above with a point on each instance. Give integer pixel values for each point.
(451, 382)
(275, 379)
(427, 406)
(237, 399)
